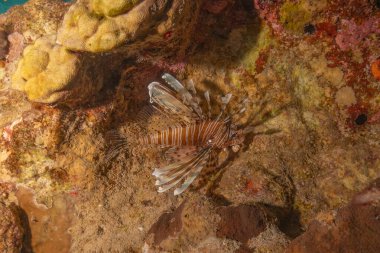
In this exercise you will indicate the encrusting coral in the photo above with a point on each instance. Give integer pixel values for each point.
(98, 26)
(47, 70)
(112, 8)
(56, 67)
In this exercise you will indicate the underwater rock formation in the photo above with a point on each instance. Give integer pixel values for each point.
(3, 44)
(353, 228)
(11, 229)
(313, 87)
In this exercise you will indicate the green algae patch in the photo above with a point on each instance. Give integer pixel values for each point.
(307, 88)
(34, 172)
(294, 16)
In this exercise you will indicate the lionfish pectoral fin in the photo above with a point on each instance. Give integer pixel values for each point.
(179, 154)
(240, 109)
(169, 176)
(188, 181)
(212, 159)
(190, 178)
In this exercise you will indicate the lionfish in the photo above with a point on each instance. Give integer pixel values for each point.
(196, 139)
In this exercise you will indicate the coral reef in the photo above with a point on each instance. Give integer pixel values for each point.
(351, 34)
(112, 8)
(46, 73)
(98, 26)
(305, 180)
(44, 69)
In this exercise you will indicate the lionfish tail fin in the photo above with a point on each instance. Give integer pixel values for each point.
(116, 144)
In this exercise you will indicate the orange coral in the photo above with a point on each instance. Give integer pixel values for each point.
(375, 68)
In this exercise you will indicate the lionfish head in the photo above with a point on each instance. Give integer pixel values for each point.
(236, 140)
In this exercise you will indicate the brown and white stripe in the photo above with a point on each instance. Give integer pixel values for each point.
(191, 135)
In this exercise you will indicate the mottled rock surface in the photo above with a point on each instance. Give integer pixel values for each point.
(4, 44)
(353, 228)
(11, 230)
(169, 224)
(241, 223)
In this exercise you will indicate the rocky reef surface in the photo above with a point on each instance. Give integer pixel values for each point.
(306, 180)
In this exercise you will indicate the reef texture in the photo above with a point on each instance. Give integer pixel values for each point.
(11, 229)
(306, 179)
(350, 229)
(48, 73)
(64, 73)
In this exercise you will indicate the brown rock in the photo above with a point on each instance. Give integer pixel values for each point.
(355, 228)
(169, 224)
(242, 222)
(3, 44)
(16, 45)
(35, 17)
(11, 230)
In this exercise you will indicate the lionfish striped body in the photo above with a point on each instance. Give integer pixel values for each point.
(204, 134)
(195, 138)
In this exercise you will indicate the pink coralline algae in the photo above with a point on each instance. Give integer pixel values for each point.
(16, 46)
(375, 118)
(268, 12)
(8, 130)
(176, 66)
(352, 34)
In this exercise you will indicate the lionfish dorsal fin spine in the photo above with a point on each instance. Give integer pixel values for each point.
(186, 96)
(207, 97)
(162, 98)
(191, 87)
